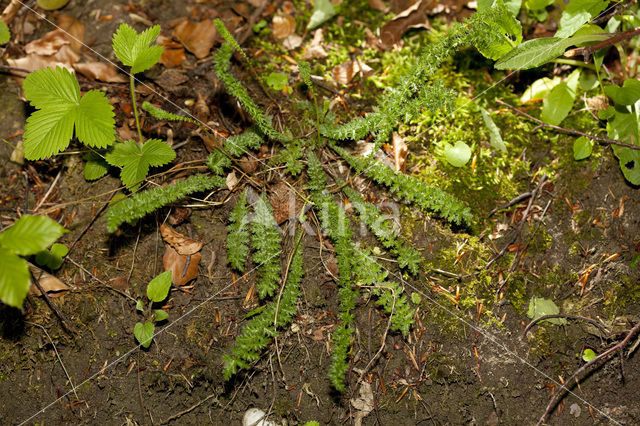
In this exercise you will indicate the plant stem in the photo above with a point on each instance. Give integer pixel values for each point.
(135, 110)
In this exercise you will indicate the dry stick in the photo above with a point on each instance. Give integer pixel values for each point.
(573, 317)
(53, 307)
(511, 203)
(188, 410)
(569, 131)
(55, 182)
(556, 398)
(10, 11)
(587, 51)
(618, 9)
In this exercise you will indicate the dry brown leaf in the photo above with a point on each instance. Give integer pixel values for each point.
(120, 283)
(170, 79)
(100, 71)
(283, 26)
(50, 284)
(197, 37)
(183, 245)
(345, 72)
(285, 203)
(315, 49)
(179, 215)
(184, 268)
(378, 5)
(49, 44)
(64, 58)
(414, 16)
(231, 180)
(74, 28)
(400, 151)
(292, 42)
(173, 54)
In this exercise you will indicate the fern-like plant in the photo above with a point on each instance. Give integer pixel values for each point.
(238, 236)
(265, 240)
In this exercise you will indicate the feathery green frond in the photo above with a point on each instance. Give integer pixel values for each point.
(160, 114)
(237, 145)
(265, 240)
(238, 236)
(217, 162)
(226, 35)
(142, 203)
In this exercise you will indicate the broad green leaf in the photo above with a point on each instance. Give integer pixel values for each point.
(144, 333)
(134, 49)
(277, 81)
(31, 234)
(59, 250)
(14, 278)
(588, 355)
(582, 147)
(559, 101)
(539, 89)
(160, 315)
(140, 306)
(623, 124)
(588, 81)
(506, 33)
(159, 287)
(628, 94)
(457, 155)
(56, 95)
(5, 34)
(532, 53)
(513, 6)
(629, 160)
(157, 152)
(578, 13)
(494, 133)
(539, 306)
(95, 166)
(323, 10)
(538, 4)
(52, 259)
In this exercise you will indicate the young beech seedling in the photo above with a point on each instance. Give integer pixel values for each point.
(28, 236)
(157, 291)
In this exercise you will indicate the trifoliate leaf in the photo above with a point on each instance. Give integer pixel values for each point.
(144, 333)
(494, 133)
(14, 278)
(458, 154)
(56, 95)
(5, 34)
(539, 306)
(582, 148)
(158, 288)
(323, 10)
(31, 234)
(134, 49)
(588, 355)
(578, 13)
(95, 166)
(135, 161)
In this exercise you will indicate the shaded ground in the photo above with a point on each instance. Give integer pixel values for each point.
(465, 361)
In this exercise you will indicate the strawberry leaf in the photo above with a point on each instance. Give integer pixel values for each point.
(135, 161)
(134, 49)
(56, 95)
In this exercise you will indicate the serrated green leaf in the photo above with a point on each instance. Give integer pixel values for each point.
(144, 333)
(95, 166)
(14, 278)
(323, 10)
(31, 234)
(160, 315)
(161, 114)
(157, 152)
(56, 95)
(513, 6)
(5, 34)
(128, 155)
(134, 49)
(576, 14)
(506, 33)
(532, 53)
(582, 148)
(158, 288)
(494, 133)
(559, 101)
(457, 155)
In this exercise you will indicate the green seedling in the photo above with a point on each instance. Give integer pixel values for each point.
(28, 236)
(157, 290)
(53, 258)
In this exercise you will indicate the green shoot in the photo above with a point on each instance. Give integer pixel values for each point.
(157, 290)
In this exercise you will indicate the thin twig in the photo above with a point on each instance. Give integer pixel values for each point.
(556, 398)
(511, 203)
(188, 410)
(55, 182)
(569, 131)
(587, 51)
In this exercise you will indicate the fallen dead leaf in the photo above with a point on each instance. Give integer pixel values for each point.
(315, 49)
(65, 58)
(170, 79)
(100, 71)
(183, 245)
(179, 215)
(74, 28)
(231, 180)
(283, 26)
(120, 283)
(400, 151)
(345, 72)
(378, 5)
(184, 268)
(292, 42)
(197, 37)
(415, 16)
(285, 203)
(363, 404)
(49, 44)
(173, 54)
(50, 284)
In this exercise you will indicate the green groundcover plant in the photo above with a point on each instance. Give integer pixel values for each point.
(157, 291)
